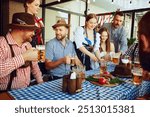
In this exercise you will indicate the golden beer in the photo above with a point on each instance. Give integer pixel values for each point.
(72, 61)
(115, 60)
(137, 64)
(41, 53)
(137, 78)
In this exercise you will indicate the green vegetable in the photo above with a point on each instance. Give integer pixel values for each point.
(90, 78)
(115, 80)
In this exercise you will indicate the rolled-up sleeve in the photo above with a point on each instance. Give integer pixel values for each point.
(79, 36)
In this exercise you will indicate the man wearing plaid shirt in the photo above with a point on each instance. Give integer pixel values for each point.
(133, 50)
(17, 57)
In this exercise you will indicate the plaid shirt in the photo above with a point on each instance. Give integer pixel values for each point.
(132, 51)
(8, 64)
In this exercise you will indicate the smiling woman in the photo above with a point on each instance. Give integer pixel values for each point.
(87, 43)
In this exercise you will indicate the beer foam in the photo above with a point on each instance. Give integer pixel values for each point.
(40, 47)
(137, 74)
(125, 61)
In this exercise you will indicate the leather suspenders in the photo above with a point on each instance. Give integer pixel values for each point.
(13, 73)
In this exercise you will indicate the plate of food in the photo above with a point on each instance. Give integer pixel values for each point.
(104, 80)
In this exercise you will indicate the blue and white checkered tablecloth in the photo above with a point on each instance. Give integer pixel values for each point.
(53, 91)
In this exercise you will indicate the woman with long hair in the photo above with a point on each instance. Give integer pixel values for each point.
(106, 47)
(87, 43)
(105, 44)
(32, 7)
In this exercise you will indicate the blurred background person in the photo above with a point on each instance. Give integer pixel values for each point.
(32, 7)
(87, 42)
(144, 44)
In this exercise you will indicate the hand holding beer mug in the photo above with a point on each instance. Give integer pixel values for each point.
(41, 53)
(137, 75)
(72, 60)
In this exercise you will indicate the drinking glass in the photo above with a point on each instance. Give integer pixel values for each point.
(41, 53)
(125, 59)
(115, 58)
(137, 75)
(103, 66)
(136, 61)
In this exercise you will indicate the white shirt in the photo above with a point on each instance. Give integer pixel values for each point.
(79, 38)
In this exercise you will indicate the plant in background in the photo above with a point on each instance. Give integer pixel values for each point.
(130, 41)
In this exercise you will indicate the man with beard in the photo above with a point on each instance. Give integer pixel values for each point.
(59, 51)
(144, 44)
(117, 32)
(17, 57)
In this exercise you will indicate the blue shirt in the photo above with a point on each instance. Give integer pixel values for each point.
(54, 51)
(118, 36)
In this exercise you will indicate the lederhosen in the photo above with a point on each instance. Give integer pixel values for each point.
(13, 73)
(85, 59)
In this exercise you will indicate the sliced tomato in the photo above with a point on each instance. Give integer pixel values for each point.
(102, 80)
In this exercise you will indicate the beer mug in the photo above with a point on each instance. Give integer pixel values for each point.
(103, 66)
(115, 58)
(125, 59)
(72, 61)
(137, 75)
(41, 53)
(136, 61)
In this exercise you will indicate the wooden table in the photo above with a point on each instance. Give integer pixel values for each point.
(6, 96)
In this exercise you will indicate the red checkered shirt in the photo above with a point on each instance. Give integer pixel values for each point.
(8, 64)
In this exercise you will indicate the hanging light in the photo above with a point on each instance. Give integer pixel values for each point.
(58, 0)
(112, 2)
(93, 0)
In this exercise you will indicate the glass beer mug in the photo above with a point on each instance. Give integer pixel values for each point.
(41, 53)
(137, 75)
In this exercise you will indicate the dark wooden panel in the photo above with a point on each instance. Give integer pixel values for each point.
(4, 16)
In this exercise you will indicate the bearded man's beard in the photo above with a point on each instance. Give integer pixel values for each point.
(61, 38)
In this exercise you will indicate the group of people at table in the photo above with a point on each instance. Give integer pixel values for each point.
(18, 58)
